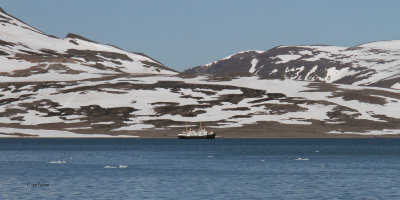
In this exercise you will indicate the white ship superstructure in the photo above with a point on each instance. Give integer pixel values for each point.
(193, 134)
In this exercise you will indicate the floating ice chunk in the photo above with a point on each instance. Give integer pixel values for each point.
(58, 162)
(302, 159)
(119, 166)
(109, 167)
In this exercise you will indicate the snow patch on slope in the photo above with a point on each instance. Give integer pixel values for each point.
(389, 44)
(253, 65)
(311, 71)
(286, 58)
(396, 86)
(334, 74)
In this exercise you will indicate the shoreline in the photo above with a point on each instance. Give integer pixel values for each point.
(352, 136)
(260, 130)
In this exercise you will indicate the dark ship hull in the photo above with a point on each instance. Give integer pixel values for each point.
(211, 136)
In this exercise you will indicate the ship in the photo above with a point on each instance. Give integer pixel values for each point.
(201, 133)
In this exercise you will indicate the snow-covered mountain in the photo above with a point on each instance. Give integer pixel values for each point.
(371, 64)
(30, 54)
(74, 87)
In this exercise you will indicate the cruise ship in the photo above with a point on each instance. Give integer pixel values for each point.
(201, 133)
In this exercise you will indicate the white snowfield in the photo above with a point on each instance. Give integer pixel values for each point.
(374, 132)
(388, 44)
(381, 58)
(25, 40)
(287, 58)
(146, 102)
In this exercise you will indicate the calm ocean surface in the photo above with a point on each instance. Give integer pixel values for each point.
(200, 169)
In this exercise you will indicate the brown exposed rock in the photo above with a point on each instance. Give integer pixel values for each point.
(236, 109)
(72, 35)
(2, 53)
(184, 110)
(89, 55)
(5, 43)
(43, 68)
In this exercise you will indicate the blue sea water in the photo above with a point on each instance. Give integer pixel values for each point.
(200, 169)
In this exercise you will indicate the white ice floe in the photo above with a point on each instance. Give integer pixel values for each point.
(301, 159)
(113, 167)
(110, 167)
(58, 162)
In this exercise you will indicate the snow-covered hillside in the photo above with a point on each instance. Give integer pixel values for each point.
(75, 87)
(371, 64)
(29, 54)
(137, 104)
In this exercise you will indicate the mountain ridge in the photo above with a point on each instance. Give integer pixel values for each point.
(26, 50)
(371, 64)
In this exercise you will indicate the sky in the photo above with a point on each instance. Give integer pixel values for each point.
(187, 33)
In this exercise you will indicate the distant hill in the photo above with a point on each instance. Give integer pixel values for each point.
(29, 53)
(371, 64)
